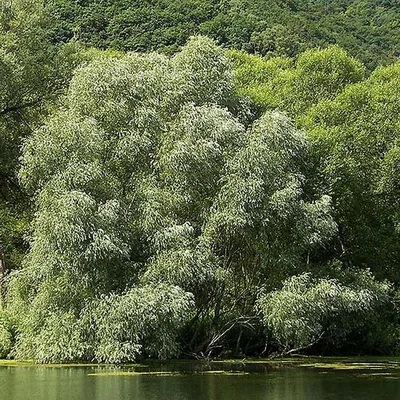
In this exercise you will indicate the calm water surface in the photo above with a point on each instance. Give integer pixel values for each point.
(77, 383)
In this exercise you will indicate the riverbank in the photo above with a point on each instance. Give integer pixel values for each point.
(331, 363)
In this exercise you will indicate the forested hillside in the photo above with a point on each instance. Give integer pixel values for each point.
(368, 30)
(229, 194)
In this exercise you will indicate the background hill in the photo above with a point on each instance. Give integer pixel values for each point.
(368, 30)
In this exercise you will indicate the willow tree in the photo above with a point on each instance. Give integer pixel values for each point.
(307, 311)
(162, 210)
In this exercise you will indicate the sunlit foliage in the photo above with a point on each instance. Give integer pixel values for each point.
(149, 175)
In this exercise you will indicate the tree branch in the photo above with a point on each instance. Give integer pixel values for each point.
(20, 106)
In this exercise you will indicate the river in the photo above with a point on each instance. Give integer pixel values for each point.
(214, 382)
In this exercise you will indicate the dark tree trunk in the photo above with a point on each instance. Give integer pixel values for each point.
(2, 279)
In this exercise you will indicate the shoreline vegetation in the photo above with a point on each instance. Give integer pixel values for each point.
(179, 366)
(197, 186)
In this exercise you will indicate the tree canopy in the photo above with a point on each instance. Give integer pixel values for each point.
(367, 29)
(151, 174)
(191, 199)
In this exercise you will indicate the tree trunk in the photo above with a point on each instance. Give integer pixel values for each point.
(2, 279)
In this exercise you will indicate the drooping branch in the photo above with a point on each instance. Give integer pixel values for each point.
(20, 107)
(299, 349)
(216, 339)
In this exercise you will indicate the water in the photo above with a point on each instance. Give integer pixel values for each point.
(287, 383)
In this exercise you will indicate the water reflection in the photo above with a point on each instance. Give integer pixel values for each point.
(41, 383)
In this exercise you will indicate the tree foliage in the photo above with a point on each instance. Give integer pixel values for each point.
(295, 85)
(198, 199)
(367, 29)
(150, 174)
(355, 137)
(306, 310)
(352, 123)
(33, 74)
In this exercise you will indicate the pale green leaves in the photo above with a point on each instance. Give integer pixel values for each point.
(151, 193)
(143, 320)
(306, 309)
(262, 194)
(6, 339)
(204, 72)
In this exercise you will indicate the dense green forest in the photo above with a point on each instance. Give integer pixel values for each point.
(165, 195)
(369, 30)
